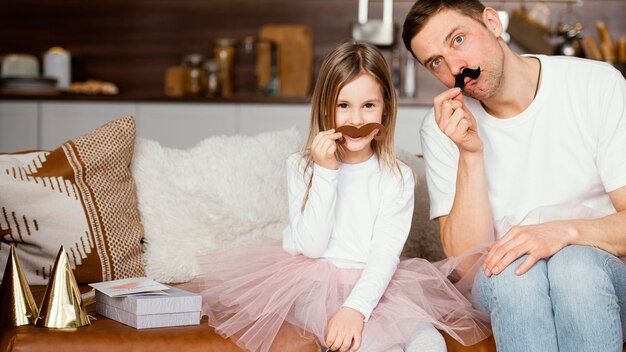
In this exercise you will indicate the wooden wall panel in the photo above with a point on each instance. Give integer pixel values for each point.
(132, 42)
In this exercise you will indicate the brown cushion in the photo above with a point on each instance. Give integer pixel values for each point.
(80, 195)
(452, 345)
(110, 336)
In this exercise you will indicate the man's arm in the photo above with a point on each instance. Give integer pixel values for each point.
(607, 233)
(544, 240)
(470, 221)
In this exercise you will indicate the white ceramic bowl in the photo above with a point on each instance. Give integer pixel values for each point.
(20, 65)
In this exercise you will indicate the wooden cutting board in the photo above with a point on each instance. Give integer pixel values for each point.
(295, 57)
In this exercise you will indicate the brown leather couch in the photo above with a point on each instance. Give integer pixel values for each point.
(108, 335)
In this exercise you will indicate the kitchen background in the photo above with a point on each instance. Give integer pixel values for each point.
(135, 44)
(131, 43)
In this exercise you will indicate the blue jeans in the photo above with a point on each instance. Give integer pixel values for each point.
(574, 301)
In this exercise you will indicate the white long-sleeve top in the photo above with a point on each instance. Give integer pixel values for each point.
(358, 216)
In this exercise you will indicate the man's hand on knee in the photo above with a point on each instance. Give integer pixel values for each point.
(538, 241)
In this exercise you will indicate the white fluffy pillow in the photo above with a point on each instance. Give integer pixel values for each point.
(423, 238)
(229, 191)
(226, 191)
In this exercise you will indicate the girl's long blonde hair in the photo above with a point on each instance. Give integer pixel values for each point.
(343, 65)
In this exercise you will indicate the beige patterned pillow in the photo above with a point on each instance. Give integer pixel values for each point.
(80, 195)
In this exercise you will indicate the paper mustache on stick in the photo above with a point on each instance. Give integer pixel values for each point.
(459, 80)
(17, 306)
(365, 130)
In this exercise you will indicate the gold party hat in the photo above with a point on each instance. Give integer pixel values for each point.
(62, 306)
(17, 306)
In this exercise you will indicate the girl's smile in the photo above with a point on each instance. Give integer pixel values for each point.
(359, 102)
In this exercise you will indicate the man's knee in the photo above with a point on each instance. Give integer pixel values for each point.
(510, 291)
(586, 298)
(578, 273)
(573, 261)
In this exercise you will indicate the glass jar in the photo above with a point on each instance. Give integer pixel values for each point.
(246, 66)
(213, 71)
(194, 75)
(224, 51)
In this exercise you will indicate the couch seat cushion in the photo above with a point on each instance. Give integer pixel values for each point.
(111, 336)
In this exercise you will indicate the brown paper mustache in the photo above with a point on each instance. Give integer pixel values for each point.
(363, 131)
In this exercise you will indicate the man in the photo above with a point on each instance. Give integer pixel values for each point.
(530, 154)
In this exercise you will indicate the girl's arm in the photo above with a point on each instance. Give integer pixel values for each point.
(309, 230)
(390, 232)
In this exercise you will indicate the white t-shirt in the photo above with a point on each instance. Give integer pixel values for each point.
(567, 147)
(358, 216)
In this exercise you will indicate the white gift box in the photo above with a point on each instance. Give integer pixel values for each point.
(177, 308)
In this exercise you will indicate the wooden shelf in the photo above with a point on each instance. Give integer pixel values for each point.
(236, 99)
(252, 99)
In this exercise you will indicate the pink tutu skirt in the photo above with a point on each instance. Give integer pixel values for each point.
(249, 292)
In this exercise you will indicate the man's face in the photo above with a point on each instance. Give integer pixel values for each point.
(450, 42)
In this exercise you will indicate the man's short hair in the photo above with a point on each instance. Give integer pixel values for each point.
(423, 10)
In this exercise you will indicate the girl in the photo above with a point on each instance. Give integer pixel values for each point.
(350, 205)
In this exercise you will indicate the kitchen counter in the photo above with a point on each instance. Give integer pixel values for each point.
(44, 122)
(256, 99)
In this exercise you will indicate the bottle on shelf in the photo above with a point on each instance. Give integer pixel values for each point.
(194, 75)
(224, 52)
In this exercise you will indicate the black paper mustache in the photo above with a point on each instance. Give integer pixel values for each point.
(459, 80)
(362, 131)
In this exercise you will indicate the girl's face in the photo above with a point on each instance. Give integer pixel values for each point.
(359, 102)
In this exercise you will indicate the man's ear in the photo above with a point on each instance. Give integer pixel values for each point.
(491, 19)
